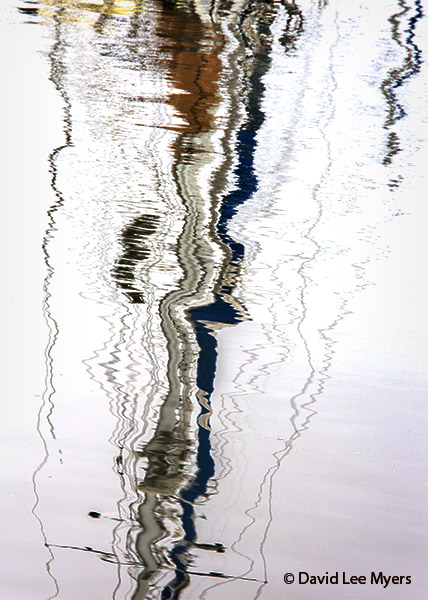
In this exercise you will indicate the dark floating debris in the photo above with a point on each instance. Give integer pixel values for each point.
(28, 11)
(216, 547)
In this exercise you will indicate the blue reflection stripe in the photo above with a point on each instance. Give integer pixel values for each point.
(417, 52)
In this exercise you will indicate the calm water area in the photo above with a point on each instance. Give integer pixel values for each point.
(214, 300)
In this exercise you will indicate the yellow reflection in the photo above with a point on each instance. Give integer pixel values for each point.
(87, 13)
(111, 7)
(77, 11)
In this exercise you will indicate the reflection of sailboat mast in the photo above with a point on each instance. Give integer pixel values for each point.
(194, 251)
(167, 451)
(222, 311)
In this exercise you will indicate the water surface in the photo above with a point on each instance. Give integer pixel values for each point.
(216, 351)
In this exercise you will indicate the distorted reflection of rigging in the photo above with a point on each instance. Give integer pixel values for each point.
(194, 67)
(193, 72)
(193, 55)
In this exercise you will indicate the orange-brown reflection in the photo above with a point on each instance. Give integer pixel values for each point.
(191, 48)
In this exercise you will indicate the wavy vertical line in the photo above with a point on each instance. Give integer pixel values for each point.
(46, 410)
(410, 66)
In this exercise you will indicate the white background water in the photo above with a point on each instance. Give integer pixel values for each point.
(319, 407)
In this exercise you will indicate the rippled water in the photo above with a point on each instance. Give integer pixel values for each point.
(216, 298)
